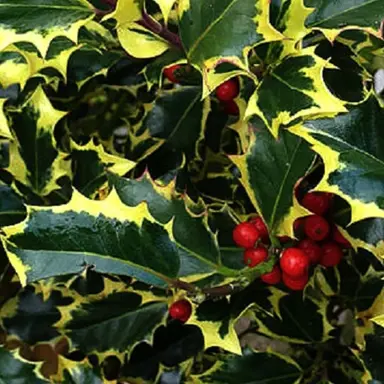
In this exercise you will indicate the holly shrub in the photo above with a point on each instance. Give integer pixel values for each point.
(191, 191)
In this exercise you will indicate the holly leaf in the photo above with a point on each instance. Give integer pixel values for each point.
(294, 89)
(4, 127)
(373, 356)
(137, 40)
(351, 147)
(98, 326)
(90, 164)
(330, 17)
(35, 160)
(12, 209)
(165, 7)
(132, 243)
(270, 169)
(86, 63)
(40, 22)
(15, 370)
(295, 319)
(177, 120)
(14, 69)
(253, 367)
(78, 373)
(226, 31)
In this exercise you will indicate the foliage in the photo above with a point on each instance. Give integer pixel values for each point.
(120, 189)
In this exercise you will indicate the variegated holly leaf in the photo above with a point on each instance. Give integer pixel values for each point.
(14, 69)
(166, 7)
(372, 356)
(12, 209)
(213, 33)
(367, 48)
(288, 17)
(39, 22)
(177, 120)
(57, 56)
(14, 369)
(216, 321)
(252, 367)
(115, 322)
(137, 40)
(294, 89)
(4, 126)
(86, 63)
(351, 147)
(295, 319)
(77, 373)
(269, 171)
(90, 163)
(35, 161)
(330, 17)
(115, 238)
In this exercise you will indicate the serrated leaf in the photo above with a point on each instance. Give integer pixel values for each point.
(296, 319)
(77, 373)
(213, 32)
(115, 322)
(41, 310)
(253, 367)
(90, 164)
(166, 7)
(332, 16)
(177, 120)
(86, 63)
(57, 56)
(352, 149)
(34, 158)
(368, 48)
(12, 209)
(373, 356)
(39, 22)
(114, 237)
(15, 370)
(270, 170)
(290, 21)
(14, 69)
(293, 89)
(217, 325)
(4, 127)
(164, 203)
(367, 234)
(137, 40)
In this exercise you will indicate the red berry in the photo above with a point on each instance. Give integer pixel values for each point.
(245, 235)
(332, 254)
(296, 284)
(339, 238)
(272, 277)
(231, 108)
(169, 73)
(255, 256)
(311, 249)
(180, 310)
(261, 227)
(298, 225)
(228, 90)
(294, 262)
(316, 227)
(316, 202)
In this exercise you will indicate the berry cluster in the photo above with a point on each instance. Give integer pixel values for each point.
(225, 93)
(320, 243)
